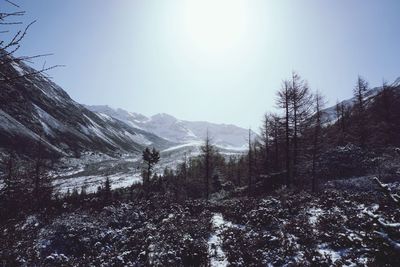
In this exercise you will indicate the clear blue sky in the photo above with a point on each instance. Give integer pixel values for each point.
(215, 60)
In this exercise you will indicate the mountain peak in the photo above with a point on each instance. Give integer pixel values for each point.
(164, 118)
(185, 132)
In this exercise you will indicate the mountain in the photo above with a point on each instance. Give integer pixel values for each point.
(330, 115)
(94, 145)
(225, 136)
(34, 108)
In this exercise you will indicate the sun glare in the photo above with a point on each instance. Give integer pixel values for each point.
(215, 26)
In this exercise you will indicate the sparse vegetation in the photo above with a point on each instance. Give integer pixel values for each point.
(317, 187)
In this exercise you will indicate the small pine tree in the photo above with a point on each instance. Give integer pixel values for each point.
(250, 166)
(42, 186)
(131, 191)
(74, 196)
(107, 191)
(14, 196)
(217, 184)
(83, 194)
(208, 151)
(150, 158)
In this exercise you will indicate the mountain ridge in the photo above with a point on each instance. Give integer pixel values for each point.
(180, 131)
(34, 108)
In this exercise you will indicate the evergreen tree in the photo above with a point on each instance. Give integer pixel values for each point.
(239, 170)
(107, 191)
(14, 196)
(250, 161)
(131, 191)
(207, 150)
(217, 183)
(150, 158)
(42, 185)
(83, 193)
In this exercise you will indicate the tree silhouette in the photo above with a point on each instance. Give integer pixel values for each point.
(283, 101)
(11, 42)
(107, 191)
(150, 158)
(360, 91)
(207, 150)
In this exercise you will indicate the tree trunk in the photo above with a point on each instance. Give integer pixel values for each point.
(287, 148)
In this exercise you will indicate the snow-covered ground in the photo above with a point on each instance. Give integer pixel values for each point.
(92, 169)
(330, 229)
(216, 254)
(215, 251)
(314, 213)
(91, 183)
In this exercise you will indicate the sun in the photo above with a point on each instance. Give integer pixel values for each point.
(215, 26)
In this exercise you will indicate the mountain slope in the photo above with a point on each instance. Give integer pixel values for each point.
(34, 108)
(181, 131)
(330, 115)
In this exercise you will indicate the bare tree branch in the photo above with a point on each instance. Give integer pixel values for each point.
(33, 73)
(12, 3)
(9, 48)
(18, 36)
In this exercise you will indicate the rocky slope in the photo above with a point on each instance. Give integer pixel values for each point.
(34, 108)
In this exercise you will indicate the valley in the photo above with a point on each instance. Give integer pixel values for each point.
(201, 133)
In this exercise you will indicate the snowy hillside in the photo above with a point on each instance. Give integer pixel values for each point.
(91, 170)
(180, 131)
(95, 145)
(34, 108)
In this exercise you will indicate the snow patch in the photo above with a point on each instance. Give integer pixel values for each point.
(217, 255)
(92, 182)
(17, 67)
(314, 213)
(324, 250)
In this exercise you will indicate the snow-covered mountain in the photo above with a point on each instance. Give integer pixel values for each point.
(180, 131)
(34, 108)
(94, 145)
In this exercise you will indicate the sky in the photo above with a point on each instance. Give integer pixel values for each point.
(215, 60)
